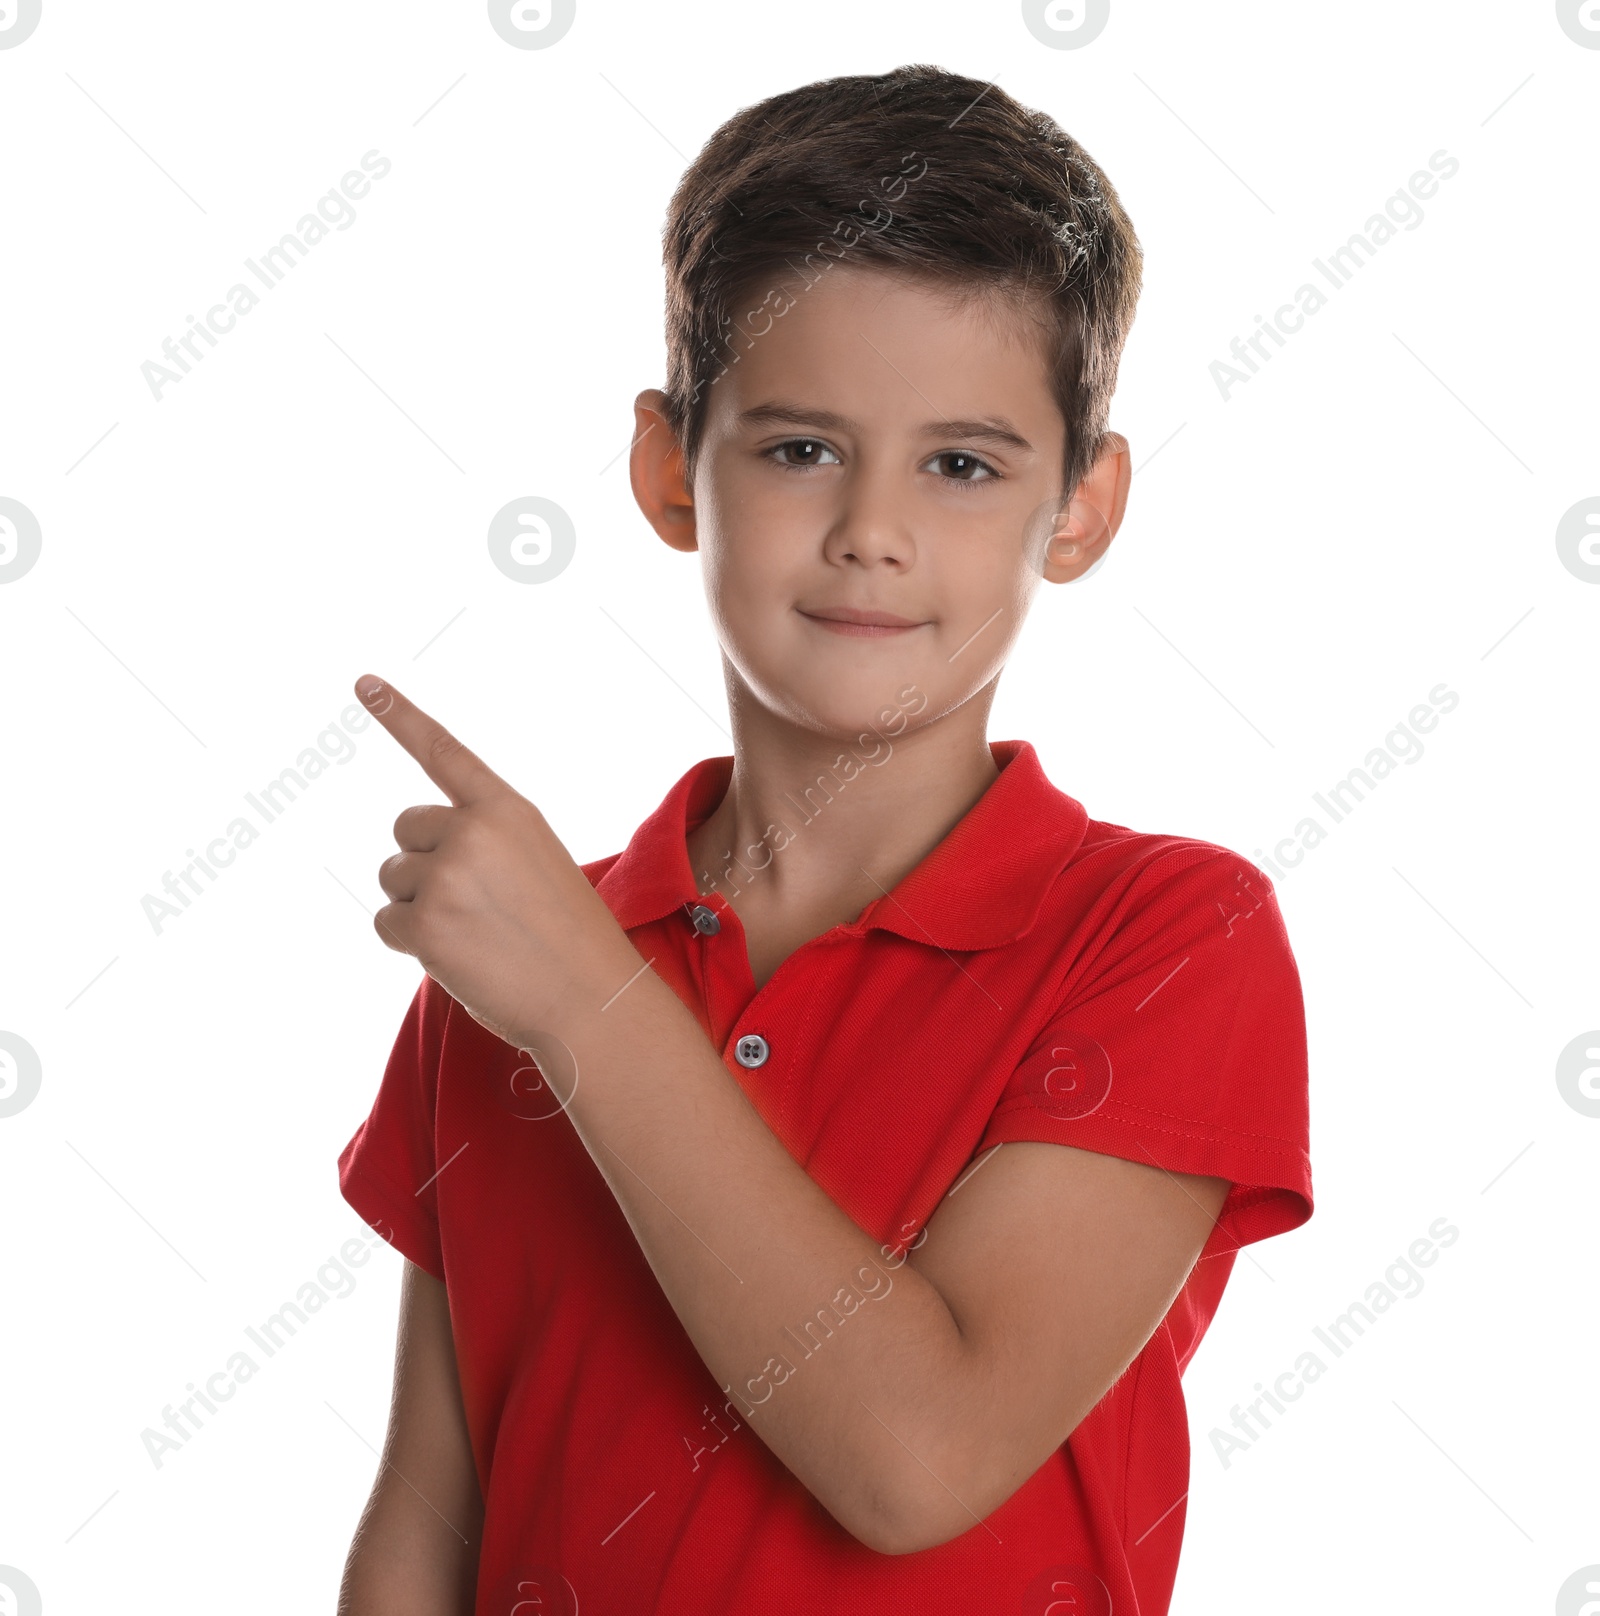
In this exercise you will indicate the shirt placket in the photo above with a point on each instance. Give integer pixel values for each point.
(726, 977)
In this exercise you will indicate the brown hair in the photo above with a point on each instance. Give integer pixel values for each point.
(938, 176)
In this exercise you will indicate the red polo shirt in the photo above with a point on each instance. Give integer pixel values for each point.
(1040, 975)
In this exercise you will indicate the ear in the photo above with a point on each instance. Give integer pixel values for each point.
(655, 469)
(1085, 529)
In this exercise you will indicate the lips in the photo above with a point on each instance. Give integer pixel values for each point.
(849, 614)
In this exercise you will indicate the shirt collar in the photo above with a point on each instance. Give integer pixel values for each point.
(982, 886)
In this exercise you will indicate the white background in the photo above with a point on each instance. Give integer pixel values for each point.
(1373, 514)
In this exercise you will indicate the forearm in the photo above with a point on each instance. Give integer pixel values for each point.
(405, 1560)
(749, 1249)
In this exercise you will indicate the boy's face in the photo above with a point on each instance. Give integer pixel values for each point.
(826, 480)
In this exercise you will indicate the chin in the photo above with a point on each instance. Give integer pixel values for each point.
(873, 705)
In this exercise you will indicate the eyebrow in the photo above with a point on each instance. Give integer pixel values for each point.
(992, 428)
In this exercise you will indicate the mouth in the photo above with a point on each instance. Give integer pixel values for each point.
(847, 620)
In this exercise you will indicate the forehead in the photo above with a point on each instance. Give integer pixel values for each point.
(889, 345)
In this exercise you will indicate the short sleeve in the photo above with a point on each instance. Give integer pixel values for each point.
(387, 1170)
(1182, 1044)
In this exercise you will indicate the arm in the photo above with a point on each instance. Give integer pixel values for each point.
(1040, 1278)
(1058, 1264)
(415, 1550)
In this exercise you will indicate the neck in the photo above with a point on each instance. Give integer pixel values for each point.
(819, 823)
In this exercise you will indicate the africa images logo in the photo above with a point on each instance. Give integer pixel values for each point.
(1066, 24)
(18, 19)
(531, 24)
(20, 538)
(276, 263)
(20, 1593)
(1580, 21)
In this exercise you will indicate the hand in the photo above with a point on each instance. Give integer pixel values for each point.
(484, 894)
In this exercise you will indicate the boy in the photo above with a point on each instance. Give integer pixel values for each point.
(813, 1206)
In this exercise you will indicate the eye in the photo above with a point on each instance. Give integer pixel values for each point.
(972, 469)
(814, 445)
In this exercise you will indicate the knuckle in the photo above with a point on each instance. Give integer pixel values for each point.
(412, 823)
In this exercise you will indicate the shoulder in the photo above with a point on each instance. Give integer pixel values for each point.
(1148, 855)
(1131, 905)
(1117, 873)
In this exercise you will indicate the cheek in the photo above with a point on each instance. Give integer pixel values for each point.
(757, 550)
(984, 566)
(751, 577)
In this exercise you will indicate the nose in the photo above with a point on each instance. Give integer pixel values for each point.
(870, 524)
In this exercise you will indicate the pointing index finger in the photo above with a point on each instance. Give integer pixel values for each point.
(458, 772)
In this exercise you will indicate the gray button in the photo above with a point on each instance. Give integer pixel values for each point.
(751, 1050)
(705, 920)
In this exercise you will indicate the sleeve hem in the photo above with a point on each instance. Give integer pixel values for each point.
(392, 1214)
(1271, 1191)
